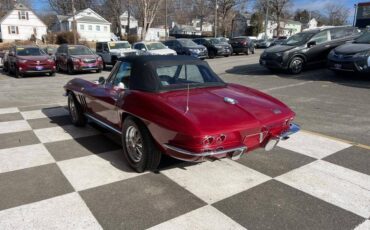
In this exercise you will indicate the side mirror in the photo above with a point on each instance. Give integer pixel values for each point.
(311, 43)
(101, 80)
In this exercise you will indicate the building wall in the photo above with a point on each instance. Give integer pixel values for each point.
(154, 34)
(26, 28)
(90, 32)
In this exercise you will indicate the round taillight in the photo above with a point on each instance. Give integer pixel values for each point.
(221, 138)
(208, 140)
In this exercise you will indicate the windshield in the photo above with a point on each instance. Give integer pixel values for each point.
(119, 45)
(155, 46)
(79, 50)
(192, 75)
(187, 42)
(363, 39)
(223, 39)
(298, 39)
(214, 41)
(34, 51)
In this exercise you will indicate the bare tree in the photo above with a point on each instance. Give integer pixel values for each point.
(337, 14)
(147, 11)
(201, 10)
(278, 8)
(65, 6)
(226, 13)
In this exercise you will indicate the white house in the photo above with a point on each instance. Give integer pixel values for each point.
(206, 26)
(124, 23)
(153, 34)
(290, 28)
(20, 24)
(90, 25)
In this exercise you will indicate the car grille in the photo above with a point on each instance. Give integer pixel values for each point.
(89, 60)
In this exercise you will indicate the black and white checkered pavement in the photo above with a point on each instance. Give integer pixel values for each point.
(56, 176)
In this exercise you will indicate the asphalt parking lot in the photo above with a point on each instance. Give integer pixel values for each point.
(56, 176)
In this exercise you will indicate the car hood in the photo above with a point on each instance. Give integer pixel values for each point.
(162, 51)
(84, 56)
(352, 48)
(279, 48)
(208, 109)
(34, 58)
(125, 50)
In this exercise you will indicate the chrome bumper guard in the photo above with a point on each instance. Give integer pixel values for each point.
(284, 136)
(235, 153)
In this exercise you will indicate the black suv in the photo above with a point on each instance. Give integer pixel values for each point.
(214, 46)
(185, 46)
(306, 48)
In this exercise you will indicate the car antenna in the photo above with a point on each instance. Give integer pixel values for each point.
(187, 99)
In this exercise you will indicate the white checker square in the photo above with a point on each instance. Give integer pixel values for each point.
(313, 145)
(63, 212)
(334, 184)
(364, 226)
(205, 218)
(14, 126)
(63, 133)
(95, 170)
(24, 157)
(214, 181)
(9, 110)
(50, 112)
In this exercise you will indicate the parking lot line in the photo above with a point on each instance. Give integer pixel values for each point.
(338, 139)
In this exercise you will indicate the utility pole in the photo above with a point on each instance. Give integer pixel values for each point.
(355, 15)
(266, 18)
(74, 24)
(166, 20)
(215, 26)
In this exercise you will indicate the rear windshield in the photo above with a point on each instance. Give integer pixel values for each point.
(79, 50)
(34, 51)
(363, 39)
(187, 75)
(155, 46)
(298, 39)
(187, 42)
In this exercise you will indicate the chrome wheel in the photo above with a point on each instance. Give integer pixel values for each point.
(134, 144)
(72, 108)
(296, 65)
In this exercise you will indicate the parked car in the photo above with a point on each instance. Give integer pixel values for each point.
(111, 51)
(187, 47)
(153, 48)
(242, 45)
(50, 50)
(306, 48)
(278, 41)
(2, 59)
(214, 47)
(264, 43)
(6, 62)
(23, 60)
(351, 57)
(223, 39)
(77, 58)
(179, 107)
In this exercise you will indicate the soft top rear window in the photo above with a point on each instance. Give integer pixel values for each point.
(182, 76)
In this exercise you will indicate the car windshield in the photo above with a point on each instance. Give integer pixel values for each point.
(155, 46)
(187, 42)
(119, 45)
(298, 39)
(34, 51)
(187, 75)
(79, 50)
(214, 41)
(363, 39)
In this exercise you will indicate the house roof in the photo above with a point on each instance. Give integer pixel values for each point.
(19, 6)
(90, 19)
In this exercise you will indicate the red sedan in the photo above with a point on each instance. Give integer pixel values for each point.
(23, 60)
(179, 107)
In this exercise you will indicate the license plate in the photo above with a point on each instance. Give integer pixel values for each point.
(90, 65)
(337, 66)
(39, 67)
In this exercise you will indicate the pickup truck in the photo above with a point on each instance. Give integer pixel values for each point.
(111, 51)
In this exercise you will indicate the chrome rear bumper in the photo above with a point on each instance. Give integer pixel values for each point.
(284, 136)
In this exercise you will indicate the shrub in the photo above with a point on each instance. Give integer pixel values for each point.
(132, 38)
(66, 37)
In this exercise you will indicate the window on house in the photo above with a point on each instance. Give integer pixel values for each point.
(90, 27)
(13, 30)
(97, 28)
(23, 15)
(82, 27)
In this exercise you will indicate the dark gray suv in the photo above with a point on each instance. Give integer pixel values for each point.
(306, 48)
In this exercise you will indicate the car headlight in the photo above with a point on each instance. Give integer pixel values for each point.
(219, 47)
(75, 59)
(280, 54)
(362, 55)
(99, 59)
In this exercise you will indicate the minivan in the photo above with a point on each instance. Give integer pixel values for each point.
(307, 48)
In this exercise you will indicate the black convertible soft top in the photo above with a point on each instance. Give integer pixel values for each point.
(143, 69)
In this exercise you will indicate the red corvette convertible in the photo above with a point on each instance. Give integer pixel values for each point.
(176, 105)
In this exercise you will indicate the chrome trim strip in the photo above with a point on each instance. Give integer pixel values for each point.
(205, 154)
(103, 124)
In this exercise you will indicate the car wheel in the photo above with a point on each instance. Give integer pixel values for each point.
(70, 69)
(252, 51)
(98, 70)
(212, 54)
(226, 55)
(296, 65)
(138, 146)
(17, 74)
(52, 74)
(247, 52)
(75, 111)
(104, 66)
